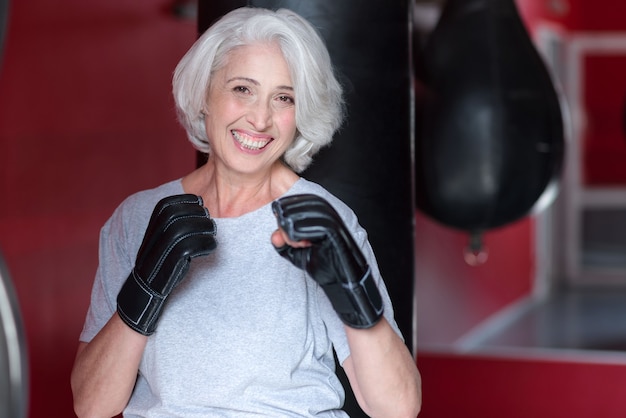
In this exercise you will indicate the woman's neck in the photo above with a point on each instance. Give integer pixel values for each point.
(227, 194)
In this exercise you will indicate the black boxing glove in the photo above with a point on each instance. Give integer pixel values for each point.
(180, 229)
(333, 259)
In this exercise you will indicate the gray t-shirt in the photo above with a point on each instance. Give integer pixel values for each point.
(245, 333)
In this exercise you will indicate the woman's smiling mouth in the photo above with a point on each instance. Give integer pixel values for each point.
(248, 142)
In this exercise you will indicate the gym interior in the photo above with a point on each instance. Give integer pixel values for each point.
(517, 312)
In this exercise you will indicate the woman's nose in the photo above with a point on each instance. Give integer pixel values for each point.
(260, 115)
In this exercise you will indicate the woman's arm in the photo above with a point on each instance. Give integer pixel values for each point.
(105, 370)
(382, 372)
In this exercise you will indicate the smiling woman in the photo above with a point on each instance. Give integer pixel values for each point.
(310, 76)
(250, 112)
(202, 303)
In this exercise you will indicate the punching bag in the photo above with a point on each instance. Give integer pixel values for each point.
(369, 163)
(491, 141)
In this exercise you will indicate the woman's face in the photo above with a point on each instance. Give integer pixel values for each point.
(250, 117)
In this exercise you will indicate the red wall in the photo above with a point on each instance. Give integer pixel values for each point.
(85, 119)
(453, 296)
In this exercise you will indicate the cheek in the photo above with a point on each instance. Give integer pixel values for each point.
(219, 116)
(209, 123)
(287, 122)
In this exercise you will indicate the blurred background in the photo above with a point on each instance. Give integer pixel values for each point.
(537, 330)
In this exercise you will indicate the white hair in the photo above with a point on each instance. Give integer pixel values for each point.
(319, 97)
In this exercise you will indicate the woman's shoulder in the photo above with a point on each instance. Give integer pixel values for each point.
(143, 202)
(130, 218)
(150, 197)
(303, 186)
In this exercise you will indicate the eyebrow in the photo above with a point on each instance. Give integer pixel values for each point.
(256, 83)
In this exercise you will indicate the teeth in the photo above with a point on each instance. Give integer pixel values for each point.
(249, 143)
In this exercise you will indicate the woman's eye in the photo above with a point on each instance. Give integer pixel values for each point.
(241, 89)
(286, 99)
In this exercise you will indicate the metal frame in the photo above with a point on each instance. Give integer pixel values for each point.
(564, 52)
(13, 353)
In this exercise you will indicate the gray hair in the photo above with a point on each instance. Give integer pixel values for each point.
(319, 101)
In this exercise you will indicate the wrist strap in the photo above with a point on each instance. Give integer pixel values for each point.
(138, 305)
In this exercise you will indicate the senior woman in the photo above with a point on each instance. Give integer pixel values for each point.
(239, 313)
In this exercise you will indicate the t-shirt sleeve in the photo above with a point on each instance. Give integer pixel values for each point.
(120, 238)
(114, 266)
(334, 324)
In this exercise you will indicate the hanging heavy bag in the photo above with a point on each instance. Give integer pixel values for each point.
(491, 141)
